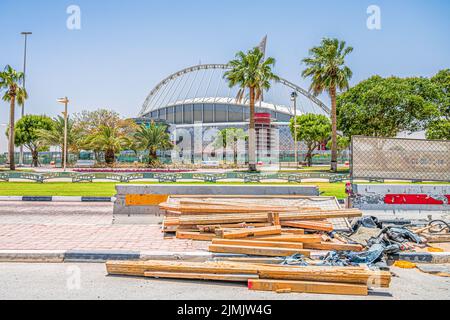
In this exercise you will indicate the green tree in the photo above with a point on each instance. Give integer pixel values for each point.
(328, 72)
(439, 130)
(385, 107)
(90, 121)
(153, 138)
(55, 135)
(26, 134)
(251, 72)
(342, 144)
(110, 140)
(442, 80)
(230, 136)
(10, 82)
(313, 130)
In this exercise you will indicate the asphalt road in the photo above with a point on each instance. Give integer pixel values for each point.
(90, 282)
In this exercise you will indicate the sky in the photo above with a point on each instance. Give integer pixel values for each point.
(124, 48)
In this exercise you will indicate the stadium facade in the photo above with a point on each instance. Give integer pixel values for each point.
(197, 103)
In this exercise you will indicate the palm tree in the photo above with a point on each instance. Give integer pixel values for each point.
(110, 140)
(153, 138)
(55, 136)
(250, 71)
(10, 81)
(326, 66)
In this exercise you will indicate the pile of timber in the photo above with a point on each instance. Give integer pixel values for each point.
(256, 229)
(282, 279)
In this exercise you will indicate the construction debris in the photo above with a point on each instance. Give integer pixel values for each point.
(283, 244)
(326, 280)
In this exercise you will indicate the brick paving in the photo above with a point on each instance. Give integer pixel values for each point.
(76, 226)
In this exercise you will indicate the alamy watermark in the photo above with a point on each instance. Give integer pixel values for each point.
(374, 19)
(73, 281)
(73, 21)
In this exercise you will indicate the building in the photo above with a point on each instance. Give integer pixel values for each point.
(197, 102)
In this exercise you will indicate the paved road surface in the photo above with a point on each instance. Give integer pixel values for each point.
(60, 281)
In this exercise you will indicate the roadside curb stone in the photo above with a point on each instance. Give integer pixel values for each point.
(44, 256)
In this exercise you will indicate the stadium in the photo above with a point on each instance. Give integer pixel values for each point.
(199, 99)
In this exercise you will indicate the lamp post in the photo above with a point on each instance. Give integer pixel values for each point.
(25, 34)
(65, 101)
(294, 96)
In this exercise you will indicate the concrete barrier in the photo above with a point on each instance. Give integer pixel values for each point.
(139, 204)
(398, 197)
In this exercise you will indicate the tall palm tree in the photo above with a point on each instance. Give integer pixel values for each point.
(110, 140)
(251, 72)
(327, 69)
(10, 81)
(153, 138)
(55, 136)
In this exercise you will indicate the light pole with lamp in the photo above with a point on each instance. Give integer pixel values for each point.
(65, 101)
(294, 96)
(25, 34)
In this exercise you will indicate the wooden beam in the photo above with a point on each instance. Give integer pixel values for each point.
(213, 228)
(201, 276)
(251, 232)
(292, 231)
(257, 251)
(331, 246)
(307, 238)
(309, 225)
(195, 236)
(352, 275)
(308, 287)
(255, 243)
(262, 217)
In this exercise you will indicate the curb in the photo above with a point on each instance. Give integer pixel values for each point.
(57, 199)
(101, 256)
(418, 257)
(36, 256)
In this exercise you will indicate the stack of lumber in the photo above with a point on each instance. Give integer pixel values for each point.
(324, 280)
(256, 229)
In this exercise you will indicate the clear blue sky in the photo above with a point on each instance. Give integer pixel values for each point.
(125, 47)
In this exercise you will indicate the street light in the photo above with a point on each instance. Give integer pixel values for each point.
(25, 34)
(294, 96)
(65, 101)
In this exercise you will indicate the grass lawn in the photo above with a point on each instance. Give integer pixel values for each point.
(106, 189)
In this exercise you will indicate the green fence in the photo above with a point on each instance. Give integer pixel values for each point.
(171, 177)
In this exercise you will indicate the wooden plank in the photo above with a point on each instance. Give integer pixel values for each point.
(292, 238)
(309, 225)
(374, 279)
(195, 236)
(262, 217)
(255, 243)
(331, 246)
(353, 275)
(251, 232)
(257, 251)
(201, 276)
(292, 231)
(274, 219)
(213, 228)
(308, 287)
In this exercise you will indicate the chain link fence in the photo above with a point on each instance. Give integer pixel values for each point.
(400, 159)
